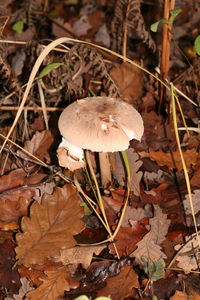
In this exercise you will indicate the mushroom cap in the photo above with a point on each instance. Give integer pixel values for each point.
(101, 124)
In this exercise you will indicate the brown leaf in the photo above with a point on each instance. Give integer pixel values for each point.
(79, 255)
(50, 227)
(120, 286)
(165, 159)
(39, 146)
(15, 200)
(148, 251)
(129, 80)
(188, 255)
(59, 31)
(136, 214)
(195, 204)
(24, 289)
(9, 277)
(195, 178)
(179, 296)
(54, 285)
(127, 239)
(148, 248)
(14, 205)
(12, 180)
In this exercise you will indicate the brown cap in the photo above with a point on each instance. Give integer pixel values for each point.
(101, 124)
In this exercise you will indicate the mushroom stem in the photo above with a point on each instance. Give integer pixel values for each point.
(105, 168)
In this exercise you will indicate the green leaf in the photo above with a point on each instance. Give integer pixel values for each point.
(197, 44)
(47, 69)
(154, 270)
(18, 26)
(154, 26)
(174, 14)
(87, 210)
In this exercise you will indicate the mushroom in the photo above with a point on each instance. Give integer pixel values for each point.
(99, 124)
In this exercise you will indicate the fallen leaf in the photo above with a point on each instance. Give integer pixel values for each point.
(24, 289)
(12, 180)
(195, 178)
(179, 296)
(17, 193)
(102, 36)
(159, 225)
(45, 188)
(54, 286)
(51, 226)
(79, 255)
(136, 214)
(38, 146)
(166, 286)
(9, 277)
(15, 204)
(195, 202)
(188, 255)
(148, 248)
(165, 159)
(129, 79)
(81, 26)
(96, 20)
(58, 31)
(127, 238)
(135, 164)
(120, 286)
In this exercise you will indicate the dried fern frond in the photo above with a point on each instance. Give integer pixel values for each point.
(128, 15)
(97, 68)
(80, 62)
(8, 82)
(27, 11)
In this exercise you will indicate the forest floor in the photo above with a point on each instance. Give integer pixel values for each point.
(53, 242)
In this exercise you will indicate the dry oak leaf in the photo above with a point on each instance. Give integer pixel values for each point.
(129, 79)
(120, 286)
(148, 251)
(24, 289)
(79, 255)
(136, 214)
(17, 193)
(148, 248)
(50, 227)
(183, 296)
(127, 239)
(39, 146)
(195, 202)
(165, 159)
(54, 286)
(188, 255)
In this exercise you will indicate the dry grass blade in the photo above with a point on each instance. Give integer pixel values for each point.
(183, 162)
(44, 108)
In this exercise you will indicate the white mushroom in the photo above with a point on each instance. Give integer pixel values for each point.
(99, 124)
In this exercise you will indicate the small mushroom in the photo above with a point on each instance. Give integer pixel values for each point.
(99, 124)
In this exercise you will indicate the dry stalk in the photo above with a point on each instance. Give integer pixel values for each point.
(165, 54)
